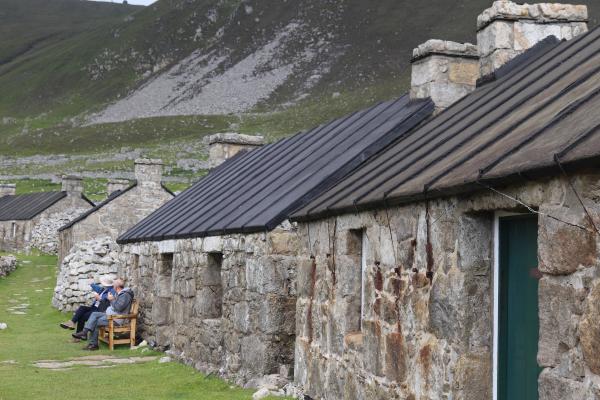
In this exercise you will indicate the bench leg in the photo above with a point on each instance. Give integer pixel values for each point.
(111, 334)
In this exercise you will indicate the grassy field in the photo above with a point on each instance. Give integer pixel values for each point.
(35, 336)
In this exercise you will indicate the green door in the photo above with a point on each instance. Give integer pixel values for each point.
(518, 308)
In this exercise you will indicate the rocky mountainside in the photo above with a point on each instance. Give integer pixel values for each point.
(180, 69)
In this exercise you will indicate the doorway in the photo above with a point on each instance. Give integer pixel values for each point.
(516, 328)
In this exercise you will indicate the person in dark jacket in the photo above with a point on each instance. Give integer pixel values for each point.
(119, 305)
(100, 304)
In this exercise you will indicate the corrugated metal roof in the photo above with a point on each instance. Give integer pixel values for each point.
(27, 206)
(541, 107)
(98, 206)
(257, 190)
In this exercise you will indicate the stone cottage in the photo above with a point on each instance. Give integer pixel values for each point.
(32, 220)
(87, 247)
(462, 262)
(215, 268)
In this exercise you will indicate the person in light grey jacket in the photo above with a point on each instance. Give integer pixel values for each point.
(119, 305)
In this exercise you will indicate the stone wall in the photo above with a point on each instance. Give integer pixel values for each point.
(7, 265)
(223, 304)
(44, 235)
(86, 264)
(427, 314)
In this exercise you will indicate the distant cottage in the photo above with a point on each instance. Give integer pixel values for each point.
(126, 205)
(32, 220)
(442, 246)
(87, 243)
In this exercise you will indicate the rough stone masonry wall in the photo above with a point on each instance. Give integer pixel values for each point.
(236, 320)
(7, 265)
(432, 339)
(44, 235)
(86, 264)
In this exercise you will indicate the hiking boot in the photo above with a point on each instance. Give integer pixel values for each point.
(91, 347)
(80, 335)
(68, 325)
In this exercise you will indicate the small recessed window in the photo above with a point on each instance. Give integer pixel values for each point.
(214, 283)
(356, 250)
(165, 267)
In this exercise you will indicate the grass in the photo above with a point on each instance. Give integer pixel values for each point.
(36, 336)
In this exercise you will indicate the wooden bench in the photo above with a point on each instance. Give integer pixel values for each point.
(112, 334)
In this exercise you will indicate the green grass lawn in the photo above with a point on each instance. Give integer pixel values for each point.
(37, 336)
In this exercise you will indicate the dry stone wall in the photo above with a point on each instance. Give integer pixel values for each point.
(7, 264)
(427, 313)
(223, 304)
(86, 264)
(44, 234)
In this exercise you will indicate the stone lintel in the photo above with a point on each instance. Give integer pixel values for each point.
(445, 48)
(235, 138)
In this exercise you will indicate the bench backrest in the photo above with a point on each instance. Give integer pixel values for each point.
(134, 307)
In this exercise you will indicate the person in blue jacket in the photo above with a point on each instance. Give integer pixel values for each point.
(101, 303)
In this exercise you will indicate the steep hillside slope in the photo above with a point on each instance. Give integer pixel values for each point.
(181, 68)
(29, 24)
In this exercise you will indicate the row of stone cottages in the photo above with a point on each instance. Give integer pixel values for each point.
(448, 253)
(54, 221)
(441, 245)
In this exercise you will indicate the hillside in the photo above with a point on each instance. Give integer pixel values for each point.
(27, 25)
(160, 78)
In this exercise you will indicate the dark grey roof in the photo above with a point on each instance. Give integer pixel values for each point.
(257, 190)
(98, 206)
(27, 206)
(540, 108)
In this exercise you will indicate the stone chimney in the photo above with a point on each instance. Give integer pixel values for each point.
(73, 185)
(116, 184)
(222, 146)
(8, 189)
(444, 71)
(148, 171)
(507, 29)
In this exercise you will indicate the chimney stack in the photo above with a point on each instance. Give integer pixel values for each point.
(116, 184)
(73, 185)
(444, 71)
(148, 171)
(222, 146)
(507, 29)
(8, 189)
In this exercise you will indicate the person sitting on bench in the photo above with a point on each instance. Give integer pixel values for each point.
(101, 303)
(119, 305)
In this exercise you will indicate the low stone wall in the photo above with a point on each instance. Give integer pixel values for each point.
(85, 264)
(44, 235)
(7, 265)
(224, 304)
